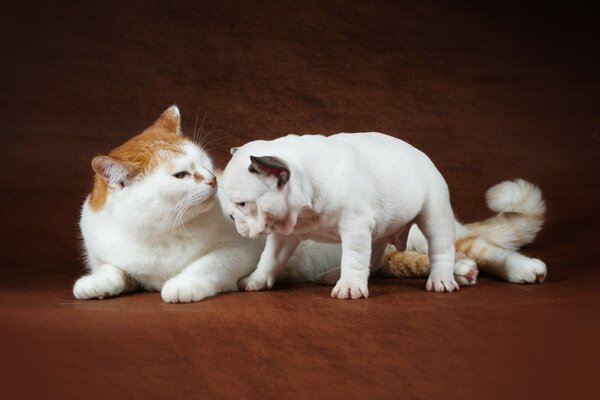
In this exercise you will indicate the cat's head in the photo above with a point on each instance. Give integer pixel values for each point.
(159, 174)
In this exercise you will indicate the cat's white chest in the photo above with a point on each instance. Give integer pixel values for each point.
(166, 260)
(149, 260)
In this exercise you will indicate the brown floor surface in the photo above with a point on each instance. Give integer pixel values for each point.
(490, 92)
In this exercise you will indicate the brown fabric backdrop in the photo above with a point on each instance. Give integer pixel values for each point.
(489, 92)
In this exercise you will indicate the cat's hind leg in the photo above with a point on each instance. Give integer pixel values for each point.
(411, 264)
(465, 270)
(106, 281)
(502, 263)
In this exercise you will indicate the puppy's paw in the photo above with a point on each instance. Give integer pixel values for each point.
(441, 282)
(183, 290)
(98, 286)
(255, 282)
(530, 271)
(350, 289)
(466, 272)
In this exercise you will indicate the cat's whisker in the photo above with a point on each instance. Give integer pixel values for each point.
(206, 143)
(195, 125)
(201, 129)
(181, 207)
(204, 136)
(168, 218)
(176, 215)
(197, 138)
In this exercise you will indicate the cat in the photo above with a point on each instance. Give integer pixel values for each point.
(155, 222)
(492, 243)
(363, 190)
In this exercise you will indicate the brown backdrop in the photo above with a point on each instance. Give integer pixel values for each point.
(489, 92)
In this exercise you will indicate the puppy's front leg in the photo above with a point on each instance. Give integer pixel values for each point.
(277, 252)
(356, 257)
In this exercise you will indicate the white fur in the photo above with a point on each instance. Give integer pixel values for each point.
(363, 190)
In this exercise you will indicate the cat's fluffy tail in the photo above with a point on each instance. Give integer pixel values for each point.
(520, 217)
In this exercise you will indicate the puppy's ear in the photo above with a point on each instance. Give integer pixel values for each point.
(270, 166)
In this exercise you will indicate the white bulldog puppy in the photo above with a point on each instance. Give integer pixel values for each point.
(363, 189)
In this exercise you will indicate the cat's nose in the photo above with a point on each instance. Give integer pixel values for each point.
(212, 182)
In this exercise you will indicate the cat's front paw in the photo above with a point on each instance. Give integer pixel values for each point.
(255, 282)
(98, 286)
(466, 272)
(353, 288)
(182, 290)
(440, 282)
(530, 271)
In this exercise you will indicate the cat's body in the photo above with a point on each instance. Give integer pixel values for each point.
(145, 228)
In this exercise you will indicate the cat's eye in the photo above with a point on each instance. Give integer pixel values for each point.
(241, 204)
(181, 174)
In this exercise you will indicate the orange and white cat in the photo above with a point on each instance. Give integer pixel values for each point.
(155, 221)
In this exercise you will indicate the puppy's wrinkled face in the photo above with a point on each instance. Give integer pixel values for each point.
(257, 193)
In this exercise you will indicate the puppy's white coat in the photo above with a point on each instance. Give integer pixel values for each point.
(363, 189)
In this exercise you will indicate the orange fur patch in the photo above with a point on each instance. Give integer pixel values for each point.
(459, 243)
(405, 264)
(198, 177)
(143, 152)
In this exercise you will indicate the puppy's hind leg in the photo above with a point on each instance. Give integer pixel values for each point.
(436, 221)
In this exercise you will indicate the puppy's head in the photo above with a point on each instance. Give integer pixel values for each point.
(258, 192)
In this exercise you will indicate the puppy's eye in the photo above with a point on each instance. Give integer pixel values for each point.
(241, 204)
(181, 174)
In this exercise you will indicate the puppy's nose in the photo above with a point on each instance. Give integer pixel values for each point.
(212, 182)
(231, 216)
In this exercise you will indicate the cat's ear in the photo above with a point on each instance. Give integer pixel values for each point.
(170, 120)
(113, 172)
(233, 150)
(270, 166)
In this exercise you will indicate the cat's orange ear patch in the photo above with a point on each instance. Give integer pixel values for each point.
(112, 171)
(170, 120)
